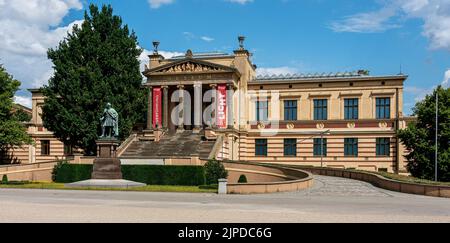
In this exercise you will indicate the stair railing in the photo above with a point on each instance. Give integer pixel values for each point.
(217, 147)
(124, 146)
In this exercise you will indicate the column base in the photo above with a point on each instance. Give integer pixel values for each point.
(196, 130)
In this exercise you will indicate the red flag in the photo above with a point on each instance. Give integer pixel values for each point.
(157, 108)
(222, 106)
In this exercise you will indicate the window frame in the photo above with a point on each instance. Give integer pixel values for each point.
(290, 110)
(260, 107)
(320, 109)
(351, 147)
(45, 147)
(383, 145)
(290, 147)
(317, 146)
(383, 108)
(261, 147)
(351, 110)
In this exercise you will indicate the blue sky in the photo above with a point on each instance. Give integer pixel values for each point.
(284, 35)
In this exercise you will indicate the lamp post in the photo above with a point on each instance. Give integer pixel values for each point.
(437, 144)
(327, 132)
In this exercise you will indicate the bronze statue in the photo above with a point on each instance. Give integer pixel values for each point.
(110, 122)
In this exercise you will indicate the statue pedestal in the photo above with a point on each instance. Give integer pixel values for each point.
(107, 166)
(107, 171)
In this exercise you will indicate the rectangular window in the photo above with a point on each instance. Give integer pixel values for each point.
(321, 109)
(320, 146)
(383, 108)
(290, 147)
(290, 110)
(262, 111)
(45, 147)
(351, 147)
(351, 109)
(261, 147)
(68, 149)
(383, 146)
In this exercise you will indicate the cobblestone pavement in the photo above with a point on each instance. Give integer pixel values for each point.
(329, 200)
(335, 186)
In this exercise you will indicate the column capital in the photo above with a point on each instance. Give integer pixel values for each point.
(165, 86)
(214, 86)
(232, 87)
(181, 86)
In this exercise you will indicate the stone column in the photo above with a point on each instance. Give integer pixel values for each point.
(181, 111)
(198, 107)
(214, 105)
(150, 109)
(230, 111)
(165, 107)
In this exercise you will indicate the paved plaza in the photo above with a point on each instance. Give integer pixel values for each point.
(330, 200)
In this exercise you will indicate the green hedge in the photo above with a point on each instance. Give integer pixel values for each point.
(68, 173)
(148, 174)
(165, 175)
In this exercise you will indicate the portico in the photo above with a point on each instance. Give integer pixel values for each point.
(189, 93)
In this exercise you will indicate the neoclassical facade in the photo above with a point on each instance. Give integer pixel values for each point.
(205, 105)
(342, 120)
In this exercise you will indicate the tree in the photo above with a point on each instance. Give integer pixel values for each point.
(419, 137)
(97, 63)
(21, 115)
(214, 170)
(12, 132)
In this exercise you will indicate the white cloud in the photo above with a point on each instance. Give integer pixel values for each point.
(240, 1)
(276, 71)
(22, 100)
(27, 29)
(435, 15)
(207, 39)
(370, 22)
(155, 4)
(446, 82)
(158, 3)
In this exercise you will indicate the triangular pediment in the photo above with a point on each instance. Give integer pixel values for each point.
(189, 65)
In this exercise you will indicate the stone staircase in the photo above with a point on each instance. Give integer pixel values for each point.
(179, 145)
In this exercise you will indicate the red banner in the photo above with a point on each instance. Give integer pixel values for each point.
(222, 106)
(157, 108)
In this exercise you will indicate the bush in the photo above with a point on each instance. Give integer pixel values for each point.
(148, 174)
(214, 170)
(165, 175)
(64, 172)
(5, 179)
(242, 179)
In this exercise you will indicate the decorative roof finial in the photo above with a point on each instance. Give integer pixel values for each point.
(189, 53)
(155, 46)
(241, 42)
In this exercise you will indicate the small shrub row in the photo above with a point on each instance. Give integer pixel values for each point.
(148, 174)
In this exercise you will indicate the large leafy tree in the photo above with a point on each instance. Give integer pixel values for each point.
(97, 63)
(419, 137)
(12, 131)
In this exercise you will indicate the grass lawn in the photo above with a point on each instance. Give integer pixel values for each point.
(150, 188)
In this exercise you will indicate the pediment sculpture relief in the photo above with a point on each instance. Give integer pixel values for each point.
(189, 67)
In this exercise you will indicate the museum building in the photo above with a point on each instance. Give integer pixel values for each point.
(213, 105)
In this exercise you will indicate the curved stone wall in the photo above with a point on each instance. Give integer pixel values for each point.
(265, 178)
(385, 183)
